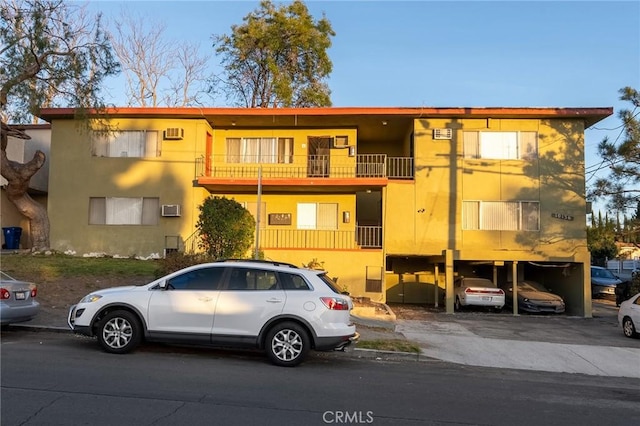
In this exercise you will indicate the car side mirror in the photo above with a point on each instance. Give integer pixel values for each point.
(163, 285)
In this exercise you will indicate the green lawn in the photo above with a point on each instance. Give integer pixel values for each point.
(60, 266)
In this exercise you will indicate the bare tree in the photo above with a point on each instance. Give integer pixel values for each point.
(52, 53)
(159, 71)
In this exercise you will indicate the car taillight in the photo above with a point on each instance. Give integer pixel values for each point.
(483, 291)
(4, 293)
(335, 303)
(34, 292)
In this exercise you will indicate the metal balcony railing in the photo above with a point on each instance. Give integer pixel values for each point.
(369, 237)
(400, 168)
(325, 166)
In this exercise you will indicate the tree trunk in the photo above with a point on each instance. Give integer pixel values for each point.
(18, 176)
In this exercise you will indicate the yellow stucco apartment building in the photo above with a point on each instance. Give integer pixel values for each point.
(395, 202)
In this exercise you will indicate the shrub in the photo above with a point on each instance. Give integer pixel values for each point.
(176, 261)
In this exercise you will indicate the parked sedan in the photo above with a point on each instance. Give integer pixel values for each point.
(629, 316)
(477, 292)
(603, 282)
(534, 298)
(17, 300)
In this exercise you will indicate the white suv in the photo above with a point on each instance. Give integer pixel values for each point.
(277, 307)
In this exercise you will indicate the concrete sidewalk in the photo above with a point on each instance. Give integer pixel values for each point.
(452, 342)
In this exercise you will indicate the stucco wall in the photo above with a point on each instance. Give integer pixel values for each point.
(424, 217)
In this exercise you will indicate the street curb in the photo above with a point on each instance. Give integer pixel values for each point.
(357, 353)
(379, 355)
(34, 328)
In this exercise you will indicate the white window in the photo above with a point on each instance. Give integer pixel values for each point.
(127, 143)
(501, 145)
(260, 150)
(501, 215)
(123, 211)
(322, 216)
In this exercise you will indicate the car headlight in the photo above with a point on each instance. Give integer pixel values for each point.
(91, 298)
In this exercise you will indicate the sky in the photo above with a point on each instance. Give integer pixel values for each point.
(451, 53)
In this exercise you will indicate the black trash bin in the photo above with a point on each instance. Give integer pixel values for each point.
(12, 237)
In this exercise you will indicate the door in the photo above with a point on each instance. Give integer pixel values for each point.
(318, 156)
(187, 304)
(251, 297)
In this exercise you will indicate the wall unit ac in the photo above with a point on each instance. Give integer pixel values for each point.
(173, 134)
(171, 210)
(442, 134)
(340, 142)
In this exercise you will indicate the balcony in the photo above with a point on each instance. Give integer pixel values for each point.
(309, 171)
(363, 237)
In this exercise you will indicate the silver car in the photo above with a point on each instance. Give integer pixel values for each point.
(17, 300)
(629, 316)
(603, 282)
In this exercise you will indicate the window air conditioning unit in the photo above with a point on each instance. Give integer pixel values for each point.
(171, 210)
(173, 134)
(442, 134)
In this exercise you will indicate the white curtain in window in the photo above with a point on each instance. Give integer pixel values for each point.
(151, 148)
(124, 211)
(470, 215)
(306, 215)
(528, 148)
(499, 216)
(268, 150)
(530, 216)
(130, 143)
(470, 144)
(249, 150)
(499, 145)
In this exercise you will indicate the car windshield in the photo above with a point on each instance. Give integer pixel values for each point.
(602, 273)
(530, 286)
(478, 282)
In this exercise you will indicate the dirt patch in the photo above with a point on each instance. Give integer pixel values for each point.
(56, 296)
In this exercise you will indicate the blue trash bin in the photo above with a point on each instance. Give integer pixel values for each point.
(12, 237)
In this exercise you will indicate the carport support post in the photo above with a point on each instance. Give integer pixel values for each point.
(435, 287)
(514, 281)
(448, 276)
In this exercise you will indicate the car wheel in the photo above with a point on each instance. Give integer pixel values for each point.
(119, 332)
(457, 306)
(628, 328)
(287, 344)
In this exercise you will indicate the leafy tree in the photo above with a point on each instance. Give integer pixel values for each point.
(601, 240)
(52, 54)
(277, 58)
(622, 186)
(226, 228)
(158, 71)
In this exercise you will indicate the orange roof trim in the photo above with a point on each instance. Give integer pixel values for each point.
(591, 115)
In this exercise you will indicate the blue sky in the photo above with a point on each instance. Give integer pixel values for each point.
(453, 53)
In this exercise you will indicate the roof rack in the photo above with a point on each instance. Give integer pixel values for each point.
(269, 262)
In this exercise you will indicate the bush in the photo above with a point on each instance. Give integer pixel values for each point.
(176, 261)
